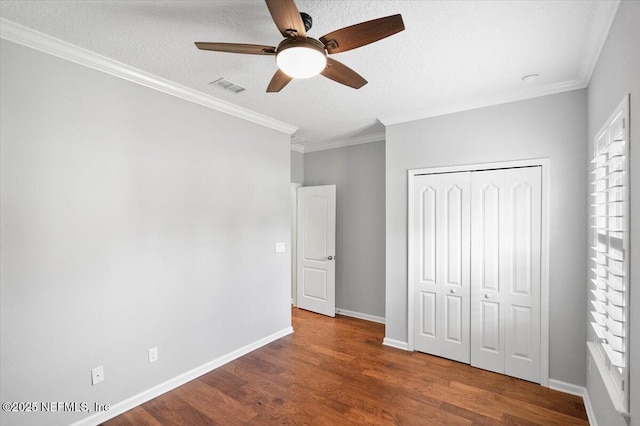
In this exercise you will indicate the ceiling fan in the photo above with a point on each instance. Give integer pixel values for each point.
(299, 56)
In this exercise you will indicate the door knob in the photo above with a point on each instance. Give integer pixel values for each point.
(487, 296)
(452, 291)
(330, 258)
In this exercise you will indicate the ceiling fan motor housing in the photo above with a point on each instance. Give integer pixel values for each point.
(306, 19)
(310, 43)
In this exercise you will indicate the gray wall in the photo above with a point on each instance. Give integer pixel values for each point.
(550, 126)
(129, 219)
(617, 74)
(358, 173)
(297, 167)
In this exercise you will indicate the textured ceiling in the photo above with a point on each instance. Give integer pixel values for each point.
(453, 54)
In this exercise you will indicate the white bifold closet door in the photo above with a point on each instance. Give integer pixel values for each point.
(505, 271)
(476, 268)
(441, 270)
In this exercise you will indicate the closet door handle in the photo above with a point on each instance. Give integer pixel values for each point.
(487, 296)
(452, 291)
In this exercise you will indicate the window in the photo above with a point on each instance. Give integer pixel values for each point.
(609, 276)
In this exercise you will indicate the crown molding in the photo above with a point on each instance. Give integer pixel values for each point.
(297, 148)
(487, 101)
(297, 144)
(28, 37)
(341, 143)
(595, 44)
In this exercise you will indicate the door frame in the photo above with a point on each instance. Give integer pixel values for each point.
(544, 163)
(294, 242)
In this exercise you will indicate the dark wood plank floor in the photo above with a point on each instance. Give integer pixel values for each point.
(337, 372)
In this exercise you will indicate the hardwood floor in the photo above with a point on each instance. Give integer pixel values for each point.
(335, 371)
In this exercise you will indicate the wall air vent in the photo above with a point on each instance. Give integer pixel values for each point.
(226, 85)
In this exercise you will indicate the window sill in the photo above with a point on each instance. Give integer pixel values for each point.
(614, 394)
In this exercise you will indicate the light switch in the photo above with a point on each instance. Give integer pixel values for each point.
(153, 354)
(280, 247)
(97, 375)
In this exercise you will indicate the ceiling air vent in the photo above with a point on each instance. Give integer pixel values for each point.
(224, 84)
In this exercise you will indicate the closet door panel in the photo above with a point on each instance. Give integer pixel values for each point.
(505, 271)
(487, 310)
(453, 237)
(487, 253)
(427, 226)
(426, 300)
(522, 278)
(441, 265)
(454, 317)
(455, 286)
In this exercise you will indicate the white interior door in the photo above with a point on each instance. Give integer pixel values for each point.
(316, 249)
(441, 264)
(505, 271)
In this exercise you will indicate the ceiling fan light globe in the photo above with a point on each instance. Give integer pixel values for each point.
(301, 61)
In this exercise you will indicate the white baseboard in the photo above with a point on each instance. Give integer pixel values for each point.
(360, 315)
(398, 344)
(183, 378)
(567, 387)
(591, 414)
(578, 391)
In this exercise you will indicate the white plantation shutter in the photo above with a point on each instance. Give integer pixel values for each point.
(609, 285)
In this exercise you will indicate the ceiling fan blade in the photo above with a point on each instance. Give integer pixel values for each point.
(251, 49)
(341, 73)
(278, 81)
(362, 34)
(287, 18)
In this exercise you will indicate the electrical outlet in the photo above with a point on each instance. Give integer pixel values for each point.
(153, 354)
(97, 375)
